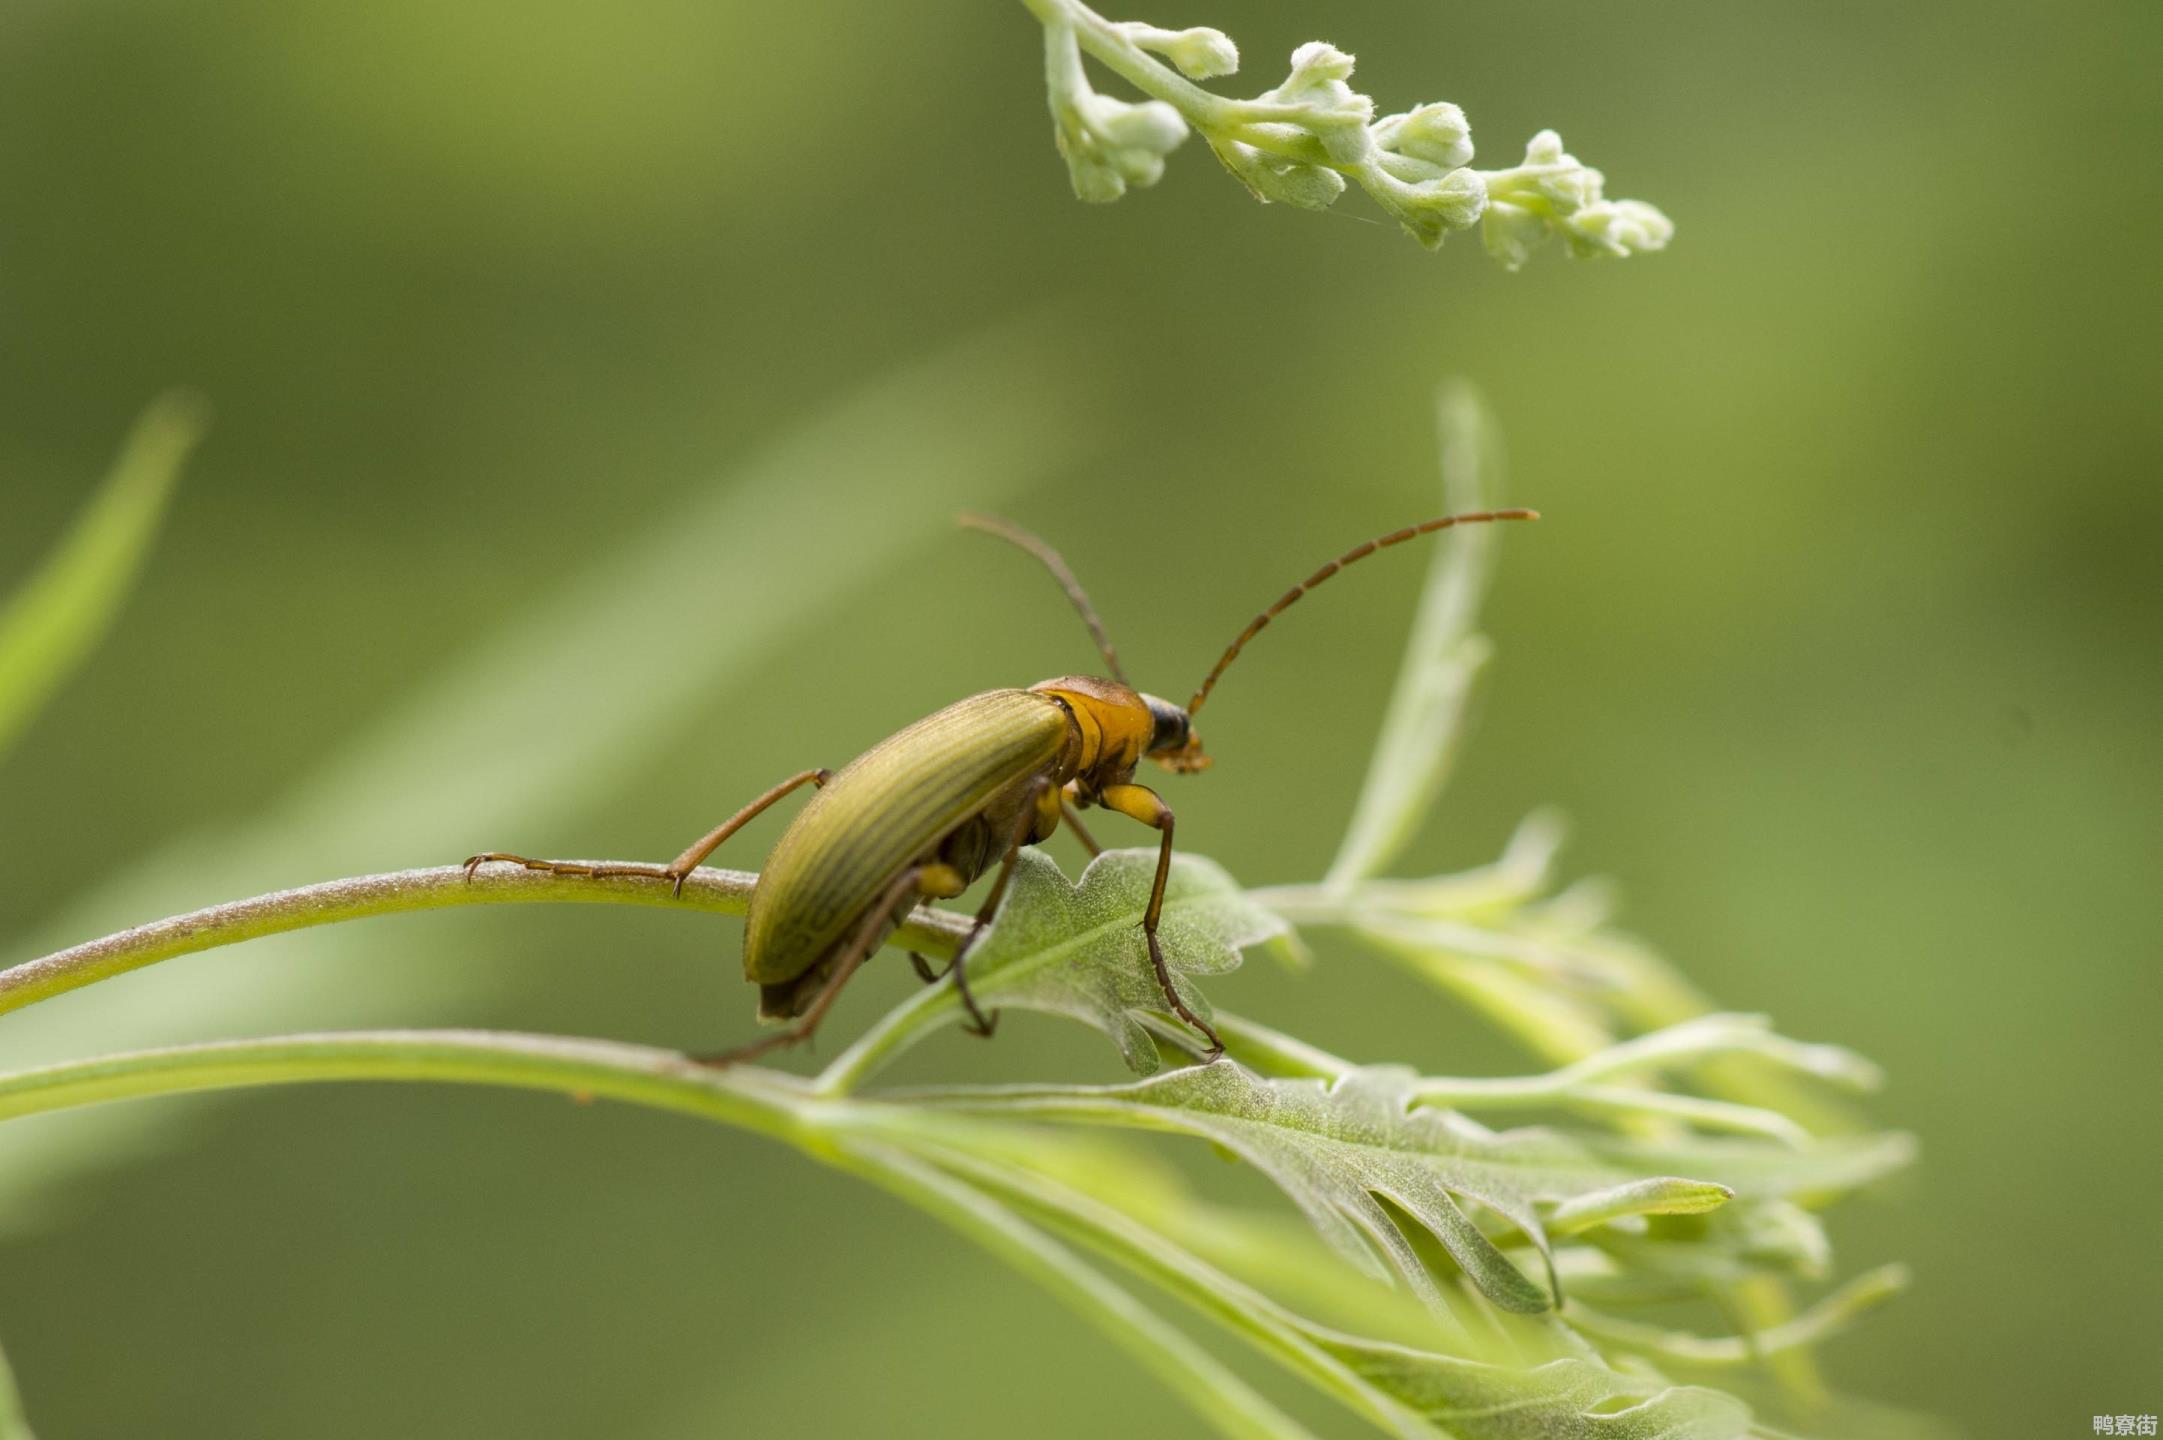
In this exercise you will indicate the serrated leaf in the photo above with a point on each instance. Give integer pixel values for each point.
(1077, 949)
(1559, 1389)
(1561, 1400)
(55, 618)
(1341, 1148)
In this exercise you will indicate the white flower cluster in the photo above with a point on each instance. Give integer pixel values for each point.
(1303, 141)
(1555, 193)
(1108, 144)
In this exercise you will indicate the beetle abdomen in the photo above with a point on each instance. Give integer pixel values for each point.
(887, 809)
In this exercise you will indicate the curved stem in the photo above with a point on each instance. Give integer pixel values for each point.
(760, 1101)
(889, 1035)
(725, 892)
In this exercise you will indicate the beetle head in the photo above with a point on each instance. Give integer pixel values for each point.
(1172, 741)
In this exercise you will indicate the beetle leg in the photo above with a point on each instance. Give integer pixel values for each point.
(676, 870)
(898, 897)
(937, 881)
(1141, 803)
(1067, 798)
(1024, 827)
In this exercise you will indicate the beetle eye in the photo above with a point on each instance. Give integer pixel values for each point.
(1169, 725)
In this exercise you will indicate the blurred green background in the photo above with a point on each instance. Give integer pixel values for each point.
(1840, 645)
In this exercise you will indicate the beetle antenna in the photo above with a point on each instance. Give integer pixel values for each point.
(1357, 552)
(1013, 534)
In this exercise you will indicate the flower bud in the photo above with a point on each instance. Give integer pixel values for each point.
(1273, 178)
(1200, 52)
(1618, 227)
(1110, 144)
(1333, 110)
(1152, 125)
(1430, 209)
(1511, 232)
(1434, 133)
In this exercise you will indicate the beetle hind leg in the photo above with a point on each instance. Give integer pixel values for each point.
(566, 867)
(677, 870)
(895, 902)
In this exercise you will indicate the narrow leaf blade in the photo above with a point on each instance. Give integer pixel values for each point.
(1414, 753)
(56, 618)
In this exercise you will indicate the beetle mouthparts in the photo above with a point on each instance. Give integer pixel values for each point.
(1188, 759)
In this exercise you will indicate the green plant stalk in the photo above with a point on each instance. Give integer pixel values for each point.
(1825, 1317)
(1244, 1311)
(761, 1102)
(1223, 1400)
(719, 892)
(1250, 122)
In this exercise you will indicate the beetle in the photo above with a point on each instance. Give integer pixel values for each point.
(921, 815)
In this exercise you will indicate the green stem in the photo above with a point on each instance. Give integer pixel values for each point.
(892, 1033)
(750, 1099)
(1109, 44)
(1834, 1311)
(1247, 1313)
(1260, 124)
(723, 892)
(1222, 1399)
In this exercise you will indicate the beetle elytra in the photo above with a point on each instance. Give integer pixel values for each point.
(921, 815)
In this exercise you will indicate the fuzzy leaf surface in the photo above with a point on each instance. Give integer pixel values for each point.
(1341, 1149)
(1076, 948)
(1566, 1399)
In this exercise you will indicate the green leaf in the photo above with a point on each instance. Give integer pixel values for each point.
(1418, 745)
(14, 1425)
(56, 617)
(1567, 1399)
(1561, 1390)
(1745, 1239)
(1076, 948)
(1224, 1402)
(1830, 1315)
(1340, 1149)
(1660, 1195)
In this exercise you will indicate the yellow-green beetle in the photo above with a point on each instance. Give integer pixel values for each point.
(925, 812)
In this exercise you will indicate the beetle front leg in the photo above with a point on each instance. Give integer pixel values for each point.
(1141, 803)
(677, 870)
